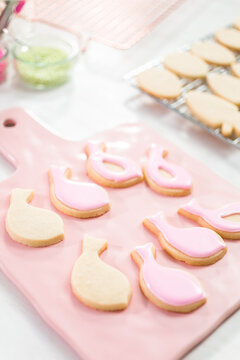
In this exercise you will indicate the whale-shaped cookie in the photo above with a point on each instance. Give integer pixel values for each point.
(110, 170)
(186, 65)
(97, 284)
(213, 53)
(214, 112)
(224, 220)
(165, 177)
(194, 245)
(168, 288)
(225, 86)
(161, 83)
(30, 225)
(78, 199)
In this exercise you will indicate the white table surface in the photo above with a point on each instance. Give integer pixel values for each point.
(94, 100)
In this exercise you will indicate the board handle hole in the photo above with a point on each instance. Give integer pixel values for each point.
(9, 123)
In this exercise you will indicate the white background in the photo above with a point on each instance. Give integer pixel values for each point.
(95, 99)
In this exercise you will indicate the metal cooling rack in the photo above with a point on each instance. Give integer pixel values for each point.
(178, 105)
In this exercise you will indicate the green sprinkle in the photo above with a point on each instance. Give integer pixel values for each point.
(43, 66)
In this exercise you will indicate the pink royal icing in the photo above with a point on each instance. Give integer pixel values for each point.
(172, 286)
(77, 195)
(215, 217)
(98, 157)
(195, 241)
(180, 178)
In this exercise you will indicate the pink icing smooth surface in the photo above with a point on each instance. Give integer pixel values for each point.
(172, 286)
(192, 241)
(180, 177)
(98, 157)
(155, 334)
(215, 217)
(77, 195)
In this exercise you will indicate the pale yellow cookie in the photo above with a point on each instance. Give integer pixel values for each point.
(31, 225)
(160, 83)
(235, 68)
(237, 23)
(225, 86)
(186, 65)
(214, 112)
(229, 38)
(97, 284)
(213, 53)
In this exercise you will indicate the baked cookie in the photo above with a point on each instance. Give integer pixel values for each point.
(225, 220)
(213, 53)
(195, 245)
(236, 23)
(78, 199)
(160, 83)
(168, 288)
(96, 284)
(229, 38)
(235, 68)
(225, 86)
(110, 170)
(164, 177)
(186, 65)
(30, 225)
(214, 112)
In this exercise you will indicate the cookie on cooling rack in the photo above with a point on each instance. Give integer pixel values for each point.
(213, 53)
(160, 83)
(186, 65)
(214, 112)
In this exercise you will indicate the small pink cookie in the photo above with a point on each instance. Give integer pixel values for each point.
(225, 220)
(164, 177)
(168, 288)
(110, 170)
(195, 245)
(78, 199)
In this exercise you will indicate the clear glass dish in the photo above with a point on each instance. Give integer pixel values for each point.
(44, 60)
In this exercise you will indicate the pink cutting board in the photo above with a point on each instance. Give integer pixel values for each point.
(142, 331)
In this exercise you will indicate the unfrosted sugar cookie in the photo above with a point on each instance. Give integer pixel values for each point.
(78, 199)
(163, 176)
(236, 23)
(110, 170)
(97, 284)
(225, 220)
(195, 245)
(31, 225)
(229, 38)
(168, 288)
(235, 68)
(160, 83)
(186, 65)
(225, 86)
(213, 53)
(214, 112)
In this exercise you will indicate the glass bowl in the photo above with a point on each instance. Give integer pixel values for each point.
(45, 61)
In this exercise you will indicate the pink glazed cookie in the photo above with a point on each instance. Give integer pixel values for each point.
(78, 199)
(225, 220)
(194, 246)
(168, 288)
(110, 170)
(164, 177)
